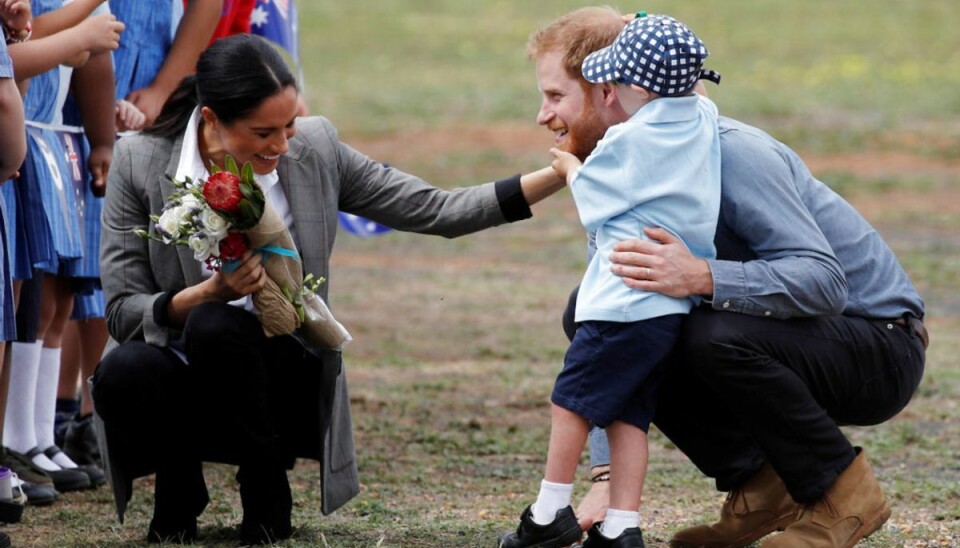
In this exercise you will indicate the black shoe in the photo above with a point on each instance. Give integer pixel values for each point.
(267, 503)
(65, 479)
(564, 530)
(4, 540)
(80, 441)
(629, 538)
(96, 475)
(39, 495)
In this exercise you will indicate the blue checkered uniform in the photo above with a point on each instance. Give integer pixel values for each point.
(144, 43)
(8, 324)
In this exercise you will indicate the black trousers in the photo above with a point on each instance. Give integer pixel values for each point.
(744, 390)
(230, 403)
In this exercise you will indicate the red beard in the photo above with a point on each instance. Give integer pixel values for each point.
(584, 133)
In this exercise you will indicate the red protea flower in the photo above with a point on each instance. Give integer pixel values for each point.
(222, 192)
(233, 246)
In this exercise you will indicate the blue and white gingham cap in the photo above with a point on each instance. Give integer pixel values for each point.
(655, 52)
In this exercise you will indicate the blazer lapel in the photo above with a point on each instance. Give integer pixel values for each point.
(189, 270)
(305, 196)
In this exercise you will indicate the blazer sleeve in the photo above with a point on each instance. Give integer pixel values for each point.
(405, 202)
(129, 284)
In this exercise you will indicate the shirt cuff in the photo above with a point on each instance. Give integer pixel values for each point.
(513, 205)
(161, 308)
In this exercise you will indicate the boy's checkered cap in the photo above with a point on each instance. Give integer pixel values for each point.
(655, 52)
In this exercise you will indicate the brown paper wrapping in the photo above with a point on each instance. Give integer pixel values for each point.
(276, 312)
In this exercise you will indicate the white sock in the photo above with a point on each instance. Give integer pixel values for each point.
(18, 432)
(45, 405)
(18, 429)
(617, 521)
(553, 497)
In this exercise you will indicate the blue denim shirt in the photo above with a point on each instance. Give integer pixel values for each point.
(788, 246)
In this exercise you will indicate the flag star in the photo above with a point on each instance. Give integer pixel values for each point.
(259, 17)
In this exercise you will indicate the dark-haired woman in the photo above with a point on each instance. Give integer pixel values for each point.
(190, 375)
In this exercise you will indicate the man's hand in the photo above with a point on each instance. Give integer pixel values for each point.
(662, 264)
(593, 508)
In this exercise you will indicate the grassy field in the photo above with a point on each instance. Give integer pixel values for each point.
(457, 342)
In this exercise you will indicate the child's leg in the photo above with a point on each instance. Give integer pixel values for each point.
(628, 469)
(568, 435)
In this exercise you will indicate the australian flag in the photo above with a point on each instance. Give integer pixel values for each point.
(276, 20)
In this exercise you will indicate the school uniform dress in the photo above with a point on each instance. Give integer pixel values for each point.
(7, 314)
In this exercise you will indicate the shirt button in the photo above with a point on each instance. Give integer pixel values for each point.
(726, 304)
(767, 313)
(889, 326)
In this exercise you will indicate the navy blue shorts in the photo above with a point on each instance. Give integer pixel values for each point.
(612, 370)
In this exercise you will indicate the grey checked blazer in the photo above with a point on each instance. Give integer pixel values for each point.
(320, 175)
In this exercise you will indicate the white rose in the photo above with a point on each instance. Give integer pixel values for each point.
(189, 200)
(169, 222)
(214, 224)
(202, 246)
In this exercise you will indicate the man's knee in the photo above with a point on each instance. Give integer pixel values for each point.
(704, 332)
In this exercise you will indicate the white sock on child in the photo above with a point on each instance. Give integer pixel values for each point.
(45, 403)
(18, 432)
(18, 427)
(617, 521)
(553, 497)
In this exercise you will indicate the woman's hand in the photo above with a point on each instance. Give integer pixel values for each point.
(244, 280)
(564, 163)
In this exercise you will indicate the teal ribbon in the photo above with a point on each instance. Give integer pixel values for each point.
(282, 251)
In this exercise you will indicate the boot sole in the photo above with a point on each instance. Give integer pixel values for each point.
(869, 527)
(778, 524)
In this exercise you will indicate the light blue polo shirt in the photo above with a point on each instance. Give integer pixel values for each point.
(660, 168)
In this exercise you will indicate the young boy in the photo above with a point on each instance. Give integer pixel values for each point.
(658, 168)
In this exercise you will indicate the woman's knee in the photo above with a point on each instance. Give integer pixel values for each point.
(129, 376)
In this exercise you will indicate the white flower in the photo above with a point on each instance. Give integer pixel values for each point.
(170, 223)
(189, 200)
(203, 246)
(214, 224)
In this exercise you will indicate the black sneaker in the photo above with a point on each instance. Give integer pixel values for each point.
(629, 538)
(564, 530)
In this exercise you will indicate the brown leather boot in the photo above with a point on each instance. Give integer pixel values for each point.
(757, 508)
(851, 509)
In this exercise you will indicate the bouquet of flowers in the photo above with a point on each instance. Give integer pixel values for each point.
(224, 216)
